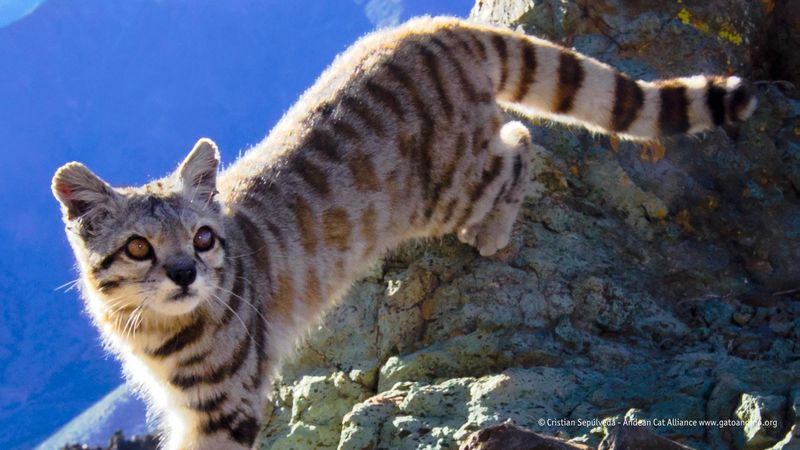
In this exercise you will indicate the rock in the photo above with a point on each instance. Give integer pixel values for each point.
(411, 415)
(791, 441)
(716, 312)
(476, 353)
(508, 436)
(623, 31)
(312, 411)
(763, 419)
(639, 438)
(784, 36)
(419, 414)
(686, 408)
(741, 318)
(780, 326)
(361, 427)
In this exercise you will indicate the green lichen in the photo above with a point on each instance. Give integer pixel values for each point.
(685, 16)
(727, 33)
(731, 36)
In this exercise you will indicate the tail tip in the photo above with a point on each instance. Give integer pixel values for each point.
(740, 100)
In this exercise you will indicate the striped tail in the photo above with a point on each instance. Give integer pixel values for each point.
(543, 79)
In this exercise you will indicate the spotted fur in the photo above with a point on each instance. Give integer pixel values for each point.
(401, 137)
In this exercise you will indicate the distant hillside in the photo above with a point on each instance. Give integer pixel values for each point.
(119, 411)
(119, 442)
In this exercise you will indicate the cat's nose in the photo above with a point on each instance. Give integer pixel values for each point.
(182, 272)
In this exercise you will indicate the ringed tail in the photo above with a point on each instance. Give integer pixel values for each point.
(545, 80)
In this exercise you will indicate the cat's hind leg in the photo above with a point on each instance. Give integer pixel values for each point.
(494, 212)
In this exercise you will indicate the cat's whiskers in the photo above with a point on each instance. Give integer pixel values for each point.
(133, 322)
(124, 332)
(118, 306)
(128, 323)
(256, 310)
(118, 303)
(139, 319)
(114, 309)
(244, 326)
(244, 255)
(245, 279)
(69, 285)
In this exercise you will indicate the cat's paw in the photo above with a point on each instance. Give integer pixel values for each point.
(488, 236)
(469, 234)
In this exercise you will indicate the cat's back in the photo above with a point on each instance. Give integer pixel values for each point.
(348, 76)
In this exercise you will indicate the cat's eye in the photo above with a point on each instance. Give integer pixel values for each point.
(203, 239)
(138, 248)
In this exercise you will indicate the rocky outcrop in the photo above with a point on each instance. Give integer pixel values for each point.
(649, 285)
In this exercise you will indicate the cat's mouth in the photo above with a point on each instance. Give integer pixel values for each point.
(178, 301)
(182, 294)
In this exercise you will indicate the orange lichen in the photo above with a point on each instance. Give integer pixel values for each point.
(427, 308)
(554, 180)
(614, 141)
(653, 152)
(456, 333)
(660, 214)
(682, 218)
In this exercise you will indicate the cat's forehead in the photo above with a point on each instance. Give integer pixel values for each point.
(163, 200)
(157, 207)
(154, 215)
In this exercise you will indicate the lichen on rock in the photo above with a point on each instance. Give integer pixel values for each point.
(642, 281)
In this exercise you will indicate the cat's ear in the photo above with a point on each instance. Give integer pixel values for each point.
(198, 172)
(83, 195)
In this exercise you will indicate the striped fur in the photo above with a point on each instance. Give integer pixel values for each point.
(401, 137)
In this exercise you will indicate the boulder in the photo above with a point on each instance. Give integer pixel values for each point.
(508, 436)
(637, 438)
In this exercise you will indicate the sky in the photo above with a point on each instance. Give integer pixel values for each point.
(127, 87)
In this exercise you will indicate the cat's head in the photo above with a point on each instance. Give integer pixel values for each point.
(158, 248)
